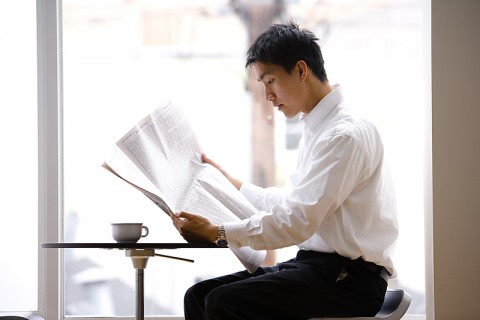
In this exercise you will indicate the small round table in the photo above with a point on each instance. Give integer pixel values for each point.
(139, 253)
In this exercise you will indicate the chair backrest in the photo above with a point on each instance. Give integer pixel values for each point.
(395, 305)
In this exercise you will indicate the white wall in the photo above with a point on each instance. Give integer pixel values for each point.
(455, 160)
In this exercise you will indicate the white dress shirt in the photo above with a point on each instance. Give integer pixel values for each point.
(341, 200)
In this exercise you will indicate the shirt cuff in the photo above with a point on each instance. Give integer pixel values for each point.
(235, 231)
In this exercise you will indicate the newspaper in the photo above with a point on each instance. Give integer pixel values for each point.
(164, 148)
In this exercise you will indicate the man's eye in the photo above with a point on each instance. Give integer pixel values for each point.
(270, 81)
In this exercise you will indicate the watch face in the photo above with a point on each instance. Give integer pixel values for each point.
(222, 243)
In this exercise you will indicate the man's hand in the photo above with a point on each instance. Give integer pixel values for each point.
(195, 228)
(237, 183)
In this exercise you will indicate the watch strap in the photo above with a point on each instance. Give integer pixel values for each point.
(221, 240)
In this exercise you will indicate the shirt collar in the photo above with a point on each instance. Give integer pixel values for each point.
(323, 108)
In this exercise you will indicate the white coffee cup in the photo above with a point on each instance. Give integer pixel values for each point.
(128, 232)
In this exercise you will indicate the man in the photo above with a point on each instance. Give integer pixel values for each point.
(340, 210)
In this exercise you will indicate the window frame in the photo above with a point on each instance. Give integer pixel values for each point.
(50, 274)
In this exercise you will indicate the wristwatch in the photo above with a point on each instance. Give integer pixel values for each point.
(221, 240)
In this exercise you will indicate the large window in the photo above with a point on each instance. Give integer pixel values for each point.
(122, 58)
(18, 160)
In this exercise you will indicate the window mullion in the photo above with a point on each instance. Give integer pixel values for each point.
(50, 286)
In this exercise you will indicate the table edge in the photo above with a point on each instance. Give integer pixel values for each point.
(138, 245)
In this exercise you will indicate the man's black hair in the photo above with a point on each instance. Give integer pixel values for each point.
(285, 45)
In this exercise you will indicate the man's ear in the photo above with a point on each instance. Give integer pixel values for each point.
(301, 69)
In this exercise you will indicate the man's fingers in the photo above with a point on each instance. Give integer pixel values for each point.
(209, 161)
(185, 215)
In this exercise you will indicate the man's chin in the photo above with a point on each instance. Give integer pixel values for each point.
(289, 115)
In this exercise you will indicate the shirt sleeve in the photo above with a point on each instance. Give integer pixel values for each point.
(332, 169)
(262, 199)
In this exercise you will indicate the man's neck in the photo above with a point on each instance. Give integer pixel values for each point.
(319, 90)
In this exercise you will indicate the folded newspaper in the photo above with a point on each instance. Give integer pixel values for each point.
(164, 148)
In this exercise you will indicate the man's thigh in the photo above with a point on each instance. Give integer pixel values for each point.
(293, 291)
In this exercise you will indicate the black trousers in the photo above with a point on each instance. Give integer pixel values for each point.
(313, 284)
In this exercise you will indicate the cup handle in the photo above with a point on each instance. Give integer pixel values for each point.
(144, 231)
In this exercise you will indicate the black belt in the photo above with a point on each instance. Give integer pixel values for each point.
(384, 274)
(378, 270)
(370, 266)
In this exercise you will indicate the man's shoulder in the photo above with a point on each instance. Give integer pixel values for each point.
(346, 122)
(351, 127)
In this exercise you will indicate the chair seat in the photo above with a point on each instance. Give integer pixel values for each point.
(394, 307)
(20, 316)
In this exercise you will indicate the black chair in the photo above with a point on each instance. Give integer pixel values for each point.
(394, 307)
(20, 316)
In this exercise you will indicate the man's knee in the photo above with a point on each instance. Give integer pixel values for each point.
(217, 303)
(194, 305)
(197, 292)
(190, 294)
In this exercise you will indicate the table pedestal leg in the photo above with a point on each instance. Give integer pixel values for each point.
(139, 306)
(139, 259)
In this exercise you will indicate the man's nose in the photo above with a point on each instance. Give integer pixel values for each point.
(269, 96)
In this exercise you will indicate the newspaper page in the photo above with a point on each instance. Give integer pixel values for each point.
(159, 201)
(164, 148)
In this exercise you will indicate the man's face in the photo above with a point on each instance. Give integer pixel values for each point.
(282, 89)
